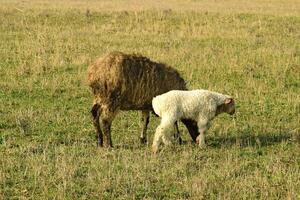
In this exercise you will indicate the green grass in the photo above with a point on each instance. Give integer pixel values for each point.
(47, 142)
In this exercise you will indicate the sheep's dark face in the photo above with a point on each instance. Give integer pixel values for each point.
(192, 127)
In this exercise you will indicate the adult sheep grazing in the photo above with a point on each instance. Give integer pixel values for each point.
(129, 82)
(199, 105)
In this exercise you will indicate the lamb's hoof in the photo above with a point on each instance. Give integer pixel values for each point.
(201, 143)
(154, 149)
(143, 140)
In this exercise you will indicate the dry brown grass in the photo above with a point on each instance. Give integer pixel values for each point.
(276, 7)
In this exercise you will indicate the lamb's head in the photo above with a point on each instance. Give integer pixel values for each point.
(228, 106)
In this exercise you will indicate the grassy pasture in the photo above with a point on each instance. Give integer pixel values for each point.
(249, 49)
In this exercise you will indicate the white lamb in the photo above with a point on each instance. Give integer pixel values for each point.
(199, 105)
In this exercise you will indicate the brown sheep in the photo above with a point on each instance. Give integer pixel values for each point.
(129, 82)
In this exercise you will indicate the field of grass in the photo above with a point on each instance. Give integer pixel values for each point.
(248, 49)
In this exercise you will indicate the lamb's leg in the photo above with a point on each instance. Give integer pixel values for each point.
(161, 134)
(158, 138)
(145, 121)
(177, 135)
(201, 138)
(96, 114)
(166, 139)
(106, 119)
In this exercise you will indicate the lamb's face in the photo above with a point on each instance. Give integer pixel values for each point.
(229, 106)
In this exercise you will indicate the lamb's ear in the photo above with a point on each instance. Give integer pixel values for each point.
(228, 101)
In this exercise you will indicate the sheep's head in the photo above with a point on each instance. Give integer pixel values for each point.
(228, 106)
(192, 127)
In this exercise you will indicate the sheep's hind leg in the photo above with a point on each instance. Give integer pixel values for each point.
(106, 119)
(144, 122)
(177, 135)
(96, 114)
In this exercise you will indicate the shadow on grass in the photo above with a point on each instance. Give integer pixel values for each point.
(131, 146)
(246, 140)
(242, 140)
(258, 140)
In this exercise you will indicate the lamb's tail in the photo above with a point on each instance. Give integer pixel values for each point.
(155, 106)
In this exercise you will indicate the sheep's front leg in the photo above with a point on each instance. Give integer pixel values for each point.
(145, 122)
(106, 119)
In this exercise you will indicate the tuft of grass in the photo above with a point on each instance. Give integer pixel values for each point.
(246, 49)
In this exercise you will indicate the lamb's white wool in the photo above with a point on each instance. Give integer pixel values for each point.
(199, 105)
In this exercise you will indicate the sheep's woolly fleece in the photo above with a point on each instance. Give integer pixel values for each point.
(130, 81)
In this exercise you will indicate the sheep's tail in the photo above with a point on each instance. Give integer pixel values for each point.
(95, 110)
